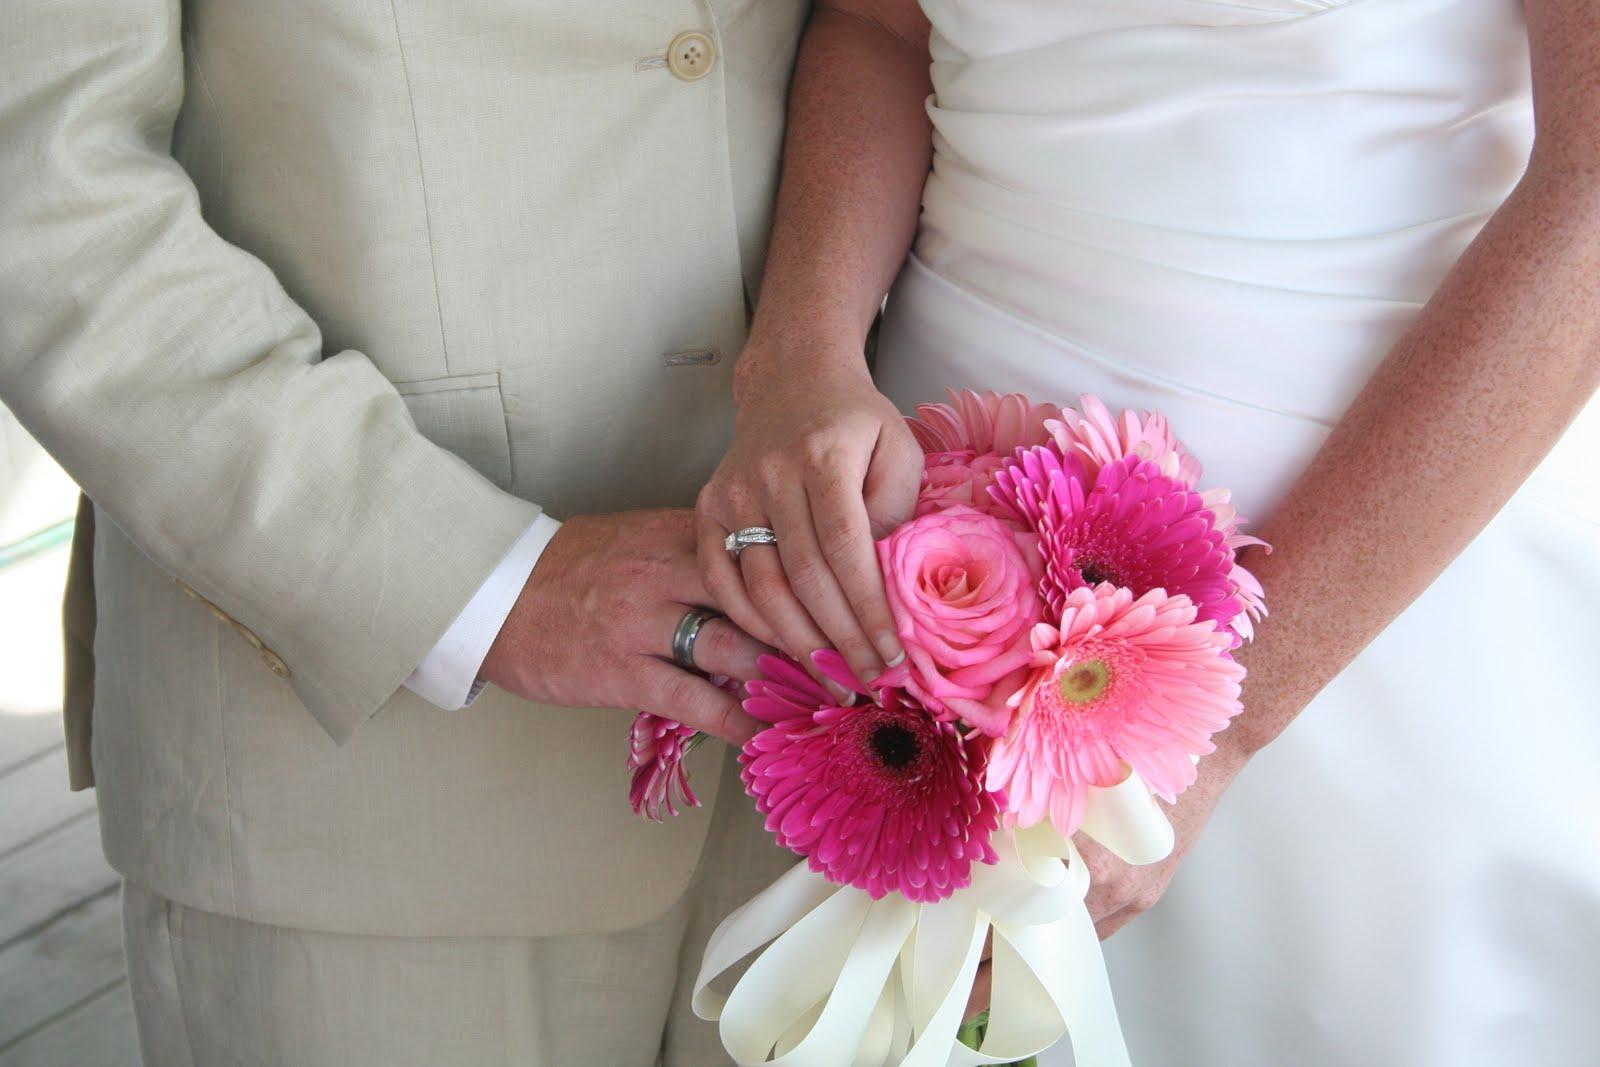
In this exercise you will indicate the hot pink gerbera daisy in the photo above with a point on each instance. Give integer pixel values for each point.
(1128, 524)
(880, 796)
(1122, 683)
(656, 748)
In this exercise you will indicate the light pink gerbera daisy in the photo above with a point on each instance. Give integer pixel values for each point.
(967, 441)
(880, 796)
(1101, 438)
(1121, 684)
(656, 748)
(982, 423)
(1128, 524)
(1251, 594)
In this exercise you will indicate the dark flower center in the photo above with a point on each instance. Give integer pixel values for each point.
(894, 745)
(1093, 572)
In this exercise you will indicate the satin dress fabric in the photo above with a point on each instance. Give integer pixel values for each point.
(1230, 212)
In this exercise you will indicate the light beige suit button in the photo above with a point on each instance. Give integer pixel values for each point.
(274, 663)
(691, 55)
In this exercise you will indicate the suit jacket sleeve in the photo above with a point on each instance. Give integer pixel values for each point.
(170, 374)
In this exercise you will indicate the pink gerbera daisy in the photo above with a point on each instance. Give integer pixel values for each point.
(982, 423)
(880, 796)
(967, 441)
(656, 748)
(1251, 594)
(1128, 524)
(1101, 438)
(1121, 684)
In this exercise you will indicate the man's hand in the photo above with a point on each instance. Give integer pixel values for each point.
(593, 626)
(824, 460)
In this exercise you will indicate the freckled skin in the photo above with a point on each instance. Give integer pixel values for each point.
(1476, 393)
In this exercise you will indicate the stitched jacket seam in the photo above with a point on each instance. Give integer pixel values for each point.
(422, 182)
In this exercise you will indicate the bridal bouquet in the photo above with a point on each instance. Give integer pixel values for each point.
(1069, 602)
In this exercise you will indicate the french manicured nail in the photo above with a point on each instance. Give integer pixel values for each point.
(889, 648)
(844, 696)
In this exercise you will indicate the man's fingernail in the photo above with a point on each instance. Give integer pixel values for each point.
(889, 648)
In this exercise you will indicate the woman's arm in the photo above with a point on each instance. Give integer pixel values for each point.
(1477, 392)
(855, 156)
(819, 455)
(1466, 405)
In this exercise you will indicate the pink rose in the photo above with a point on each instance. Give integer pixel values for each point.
(963, 589)
(951, 479)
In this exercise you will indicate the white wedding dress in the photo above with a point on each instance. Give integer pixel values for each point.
(1229, 211)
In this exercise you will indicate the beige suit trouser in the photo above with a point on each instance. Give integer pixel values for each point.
(213, 991)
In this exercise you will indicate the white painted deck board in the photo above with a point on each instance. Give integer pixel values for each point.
(63, 995)
(97, 1033)
(24, 737)
(74, 958)
(50, 875)
(35, 800)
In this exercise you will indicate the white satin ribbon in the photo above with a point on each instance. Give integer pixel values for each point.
(884, 983)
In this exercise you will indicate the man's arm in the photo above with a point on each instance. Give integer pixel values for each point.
(450, 675)
(170, 374)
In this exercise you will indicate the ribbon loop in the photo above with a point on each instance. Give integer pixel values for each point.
(845, 979)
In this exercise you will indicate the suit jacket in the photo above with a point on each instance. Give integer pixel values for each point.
(321, 301)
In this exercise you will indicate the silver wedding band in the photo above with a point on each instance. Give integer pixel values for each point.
(740, 540)
(688, 630)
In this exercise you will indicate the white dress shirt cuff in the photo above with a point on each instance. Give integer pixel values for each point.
(448, 674)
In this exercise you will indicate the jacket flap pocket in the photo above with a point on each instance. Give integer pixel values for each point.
(466, 415)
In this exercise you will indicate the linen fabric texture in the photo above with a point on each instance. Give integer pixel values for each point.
(322, 304)
(216, 991)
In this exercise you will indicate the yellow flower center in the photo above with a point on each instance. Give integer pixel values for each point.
(1085, 682)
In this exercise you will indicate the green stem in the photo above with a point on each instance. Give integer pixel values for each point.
(971, 1035)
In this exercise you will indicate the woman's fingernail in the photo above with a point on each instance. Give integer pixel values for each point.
(889, 648)
(845, 697)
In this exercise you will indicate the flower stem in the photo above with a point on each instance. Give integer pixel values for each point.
(971, 1035)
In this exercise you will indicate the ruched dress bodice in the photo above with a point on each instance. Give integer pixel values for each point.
(1169, 161)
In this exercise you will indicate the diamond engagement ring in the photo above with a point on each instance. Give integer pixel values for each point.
(688, 630)
(740, 540)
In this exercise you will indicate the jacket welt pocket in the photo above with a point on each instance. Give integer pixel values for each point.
(466, 415)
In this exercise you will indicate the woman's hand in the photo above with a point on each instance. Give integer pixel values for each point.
(1119, 892)
(824, 460)
(820, 456)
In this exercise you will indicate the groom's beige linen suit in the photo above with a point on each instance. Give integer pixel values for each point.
(321, 301)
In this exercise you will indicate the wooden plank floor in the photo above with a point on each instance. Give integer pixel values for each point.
(63, 991)
(63, 995)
